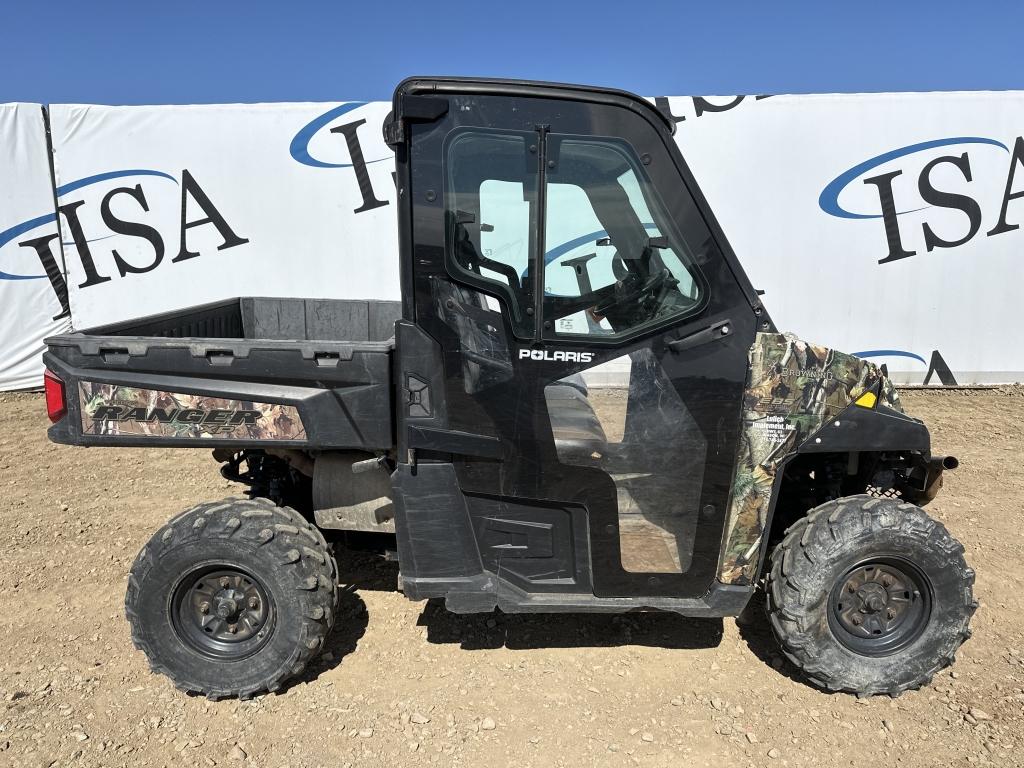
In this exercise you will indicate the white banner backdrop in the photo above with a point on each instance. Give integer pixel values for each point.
(165, 207)
(882, 224)
(29, 307)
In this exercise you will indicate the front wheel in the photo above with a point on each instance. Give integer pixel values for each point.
(870, 596)
(232, 598)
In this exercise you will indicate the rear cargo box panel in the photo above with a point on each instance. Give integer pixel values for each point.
(145, 383)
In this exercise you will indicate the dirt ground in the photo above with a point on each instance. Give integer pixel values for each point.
(408, 683)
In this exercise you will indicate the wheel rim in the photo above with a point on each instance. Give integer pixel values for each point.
(880, 606)
(222, 611)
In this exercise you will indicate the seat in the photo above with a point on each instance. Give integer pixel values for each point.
(579, 436)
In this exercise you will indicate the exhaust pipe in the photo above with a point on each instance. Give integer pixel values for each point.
(933, 482)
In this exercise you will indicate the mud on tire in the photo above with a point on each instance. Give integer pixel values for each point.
(844, 554)
(232, 598)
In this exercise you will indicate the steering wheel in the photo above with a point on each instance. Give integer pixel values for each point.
(628, 293)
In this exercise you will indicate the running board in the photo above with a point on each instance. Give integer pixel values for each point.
(484, 593)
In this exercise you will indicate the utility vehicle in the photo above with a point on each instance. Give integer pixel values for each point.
(580, 404)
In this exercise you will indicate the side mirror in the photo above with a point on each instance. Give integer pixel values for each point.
(486, 227)
(604, 241)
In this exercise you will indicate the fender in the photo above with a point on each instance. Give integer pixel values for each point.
(857, 428)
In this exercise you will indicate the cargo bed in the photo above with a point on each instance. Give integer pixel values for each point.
(308, 373)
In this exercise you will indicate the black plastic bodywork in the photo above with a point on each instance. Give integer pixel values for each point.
(861, 429)
(858, 435)
(250, 350)
(881, 429)
(534, 532)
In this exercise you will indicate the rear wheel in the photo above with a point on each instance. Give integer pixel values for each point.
(870, 596)
(232, 598)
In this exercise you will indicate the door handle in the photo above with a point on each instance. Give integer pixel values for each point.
(714, 332)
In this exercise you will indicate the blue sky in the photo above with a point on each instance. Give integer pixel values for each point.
(118, 52)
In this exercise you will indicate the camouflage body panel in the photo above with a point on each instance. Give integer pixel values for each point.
(112, 409)
(793, 387)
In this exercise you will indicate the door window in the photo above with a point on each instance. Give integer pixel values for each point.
(490, 210)
(612, 265)
(626, 418)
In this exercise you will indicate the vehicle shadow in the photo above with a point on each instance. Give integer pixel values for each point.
(368, 571)
(350, 621)
(357, 571)
(524, 631)
(756, 632)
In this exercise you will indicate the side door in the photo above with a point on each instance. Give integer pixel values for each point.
(593, 334)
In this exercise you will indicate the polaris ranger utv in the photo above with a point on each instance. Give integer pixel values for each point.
(580, 404)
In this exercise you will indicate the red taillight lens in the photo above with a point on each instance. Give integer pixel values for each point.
(56, 405)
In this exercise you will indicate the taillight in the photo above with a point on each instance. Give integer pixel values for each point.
(56, 404)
